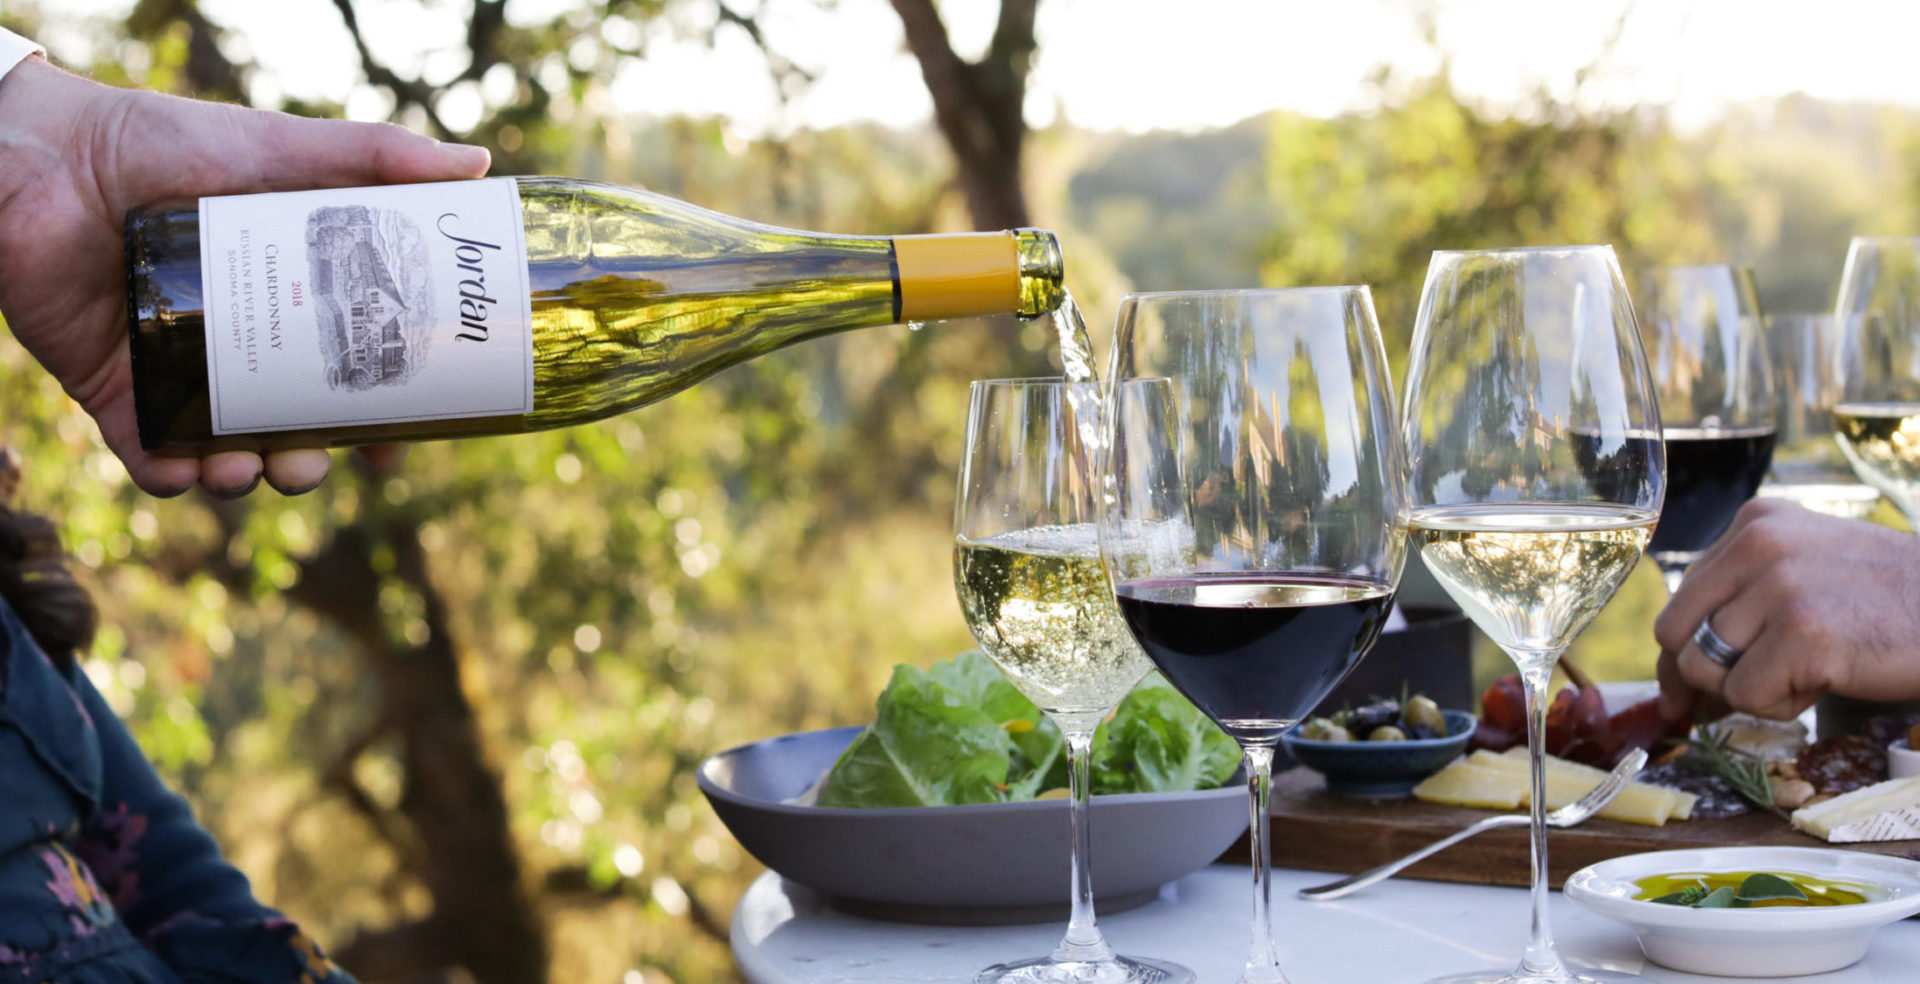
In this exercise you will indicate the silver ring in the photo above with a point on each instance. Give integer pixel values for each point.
(1714, 647)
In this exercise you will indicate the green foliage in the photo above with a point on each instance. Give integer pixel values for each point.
(1368, 198)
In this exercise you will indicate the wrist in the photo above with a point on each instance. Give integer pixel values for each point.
(44, 111)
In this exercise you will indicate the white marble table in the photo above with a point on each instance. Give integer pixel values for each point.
(1401, 931)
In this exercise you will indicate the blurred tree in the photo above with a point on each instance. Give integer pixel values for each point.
(980, 106)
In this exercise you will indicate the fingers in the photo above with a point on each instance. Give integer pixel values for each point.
(230, 474)
(384, 456)
(1773, 677)
(297, 472)
(1737, 558)
(1677, 696)
(1738, 623)
(292, 152)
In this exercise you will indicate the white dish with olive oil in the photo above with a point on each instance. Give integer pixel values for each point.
(1753, 942)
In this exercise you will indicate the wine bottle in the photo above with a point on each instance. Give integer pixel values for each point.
(414, 312)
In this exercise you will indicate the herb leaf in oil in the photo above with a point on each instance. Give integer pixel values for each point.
(1757, 887)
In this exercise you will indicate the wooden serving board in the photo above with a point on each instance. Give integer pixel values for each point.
(1315, 830)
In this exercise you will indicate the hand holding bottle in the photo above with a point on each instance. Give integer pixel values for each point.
(76, 155)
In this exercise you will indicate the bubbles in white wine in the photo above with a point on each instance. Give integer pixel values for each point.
(1041, 606)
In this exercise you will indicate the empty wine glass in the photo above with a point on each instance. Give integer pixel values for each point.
(1255, 529)
(1808, 466)
(1536, 471)
(1877, 417)
(1026, 565)
(1712, 373)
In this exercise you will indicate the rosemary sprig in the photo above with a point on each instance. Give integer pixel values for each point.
(1747, 774)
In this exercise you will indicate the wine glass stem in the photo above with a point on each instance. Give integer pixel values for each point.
(1536, 673)
(1910, 509)
(1083, 941)
(1263, 963)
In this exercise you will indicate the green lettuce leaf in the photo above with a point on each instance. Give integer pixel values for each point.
(1158, 742)
(958, 732)
(929, 745)
(1038, 760)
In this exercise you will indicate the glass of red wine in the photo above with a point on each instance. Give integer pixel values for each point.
(1535, 473)
(1254, 526)
(1712, 373)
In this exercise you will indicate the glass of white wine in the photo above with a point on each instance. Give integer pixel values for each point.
(1808, 466)
(1026, 564)
(1536, 471)
(1877, 416)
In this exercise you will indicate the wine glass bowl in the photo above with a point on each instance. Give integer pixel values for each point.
(1027, 569)
(1254, 530)
(1877, 362)
(1808, 466)
(1536, 471)
(1712, 371)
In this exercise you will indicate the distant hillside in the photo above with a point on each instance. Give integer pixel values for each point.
(1180, 210)
(1794, 180)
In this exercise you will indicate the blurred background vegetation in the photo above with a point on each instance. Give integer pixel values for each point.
(448, 716)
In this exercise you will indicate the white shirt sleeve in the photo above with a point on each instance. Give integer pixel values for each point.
(15, 49)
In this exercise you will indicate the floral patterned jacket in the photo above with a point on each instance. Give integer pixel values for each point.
(104, 875)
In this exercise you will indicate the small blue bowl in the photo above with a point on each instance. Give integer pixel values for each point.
(1382, 769)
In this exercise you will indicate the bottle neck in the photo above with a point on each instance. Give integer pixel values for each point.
(949, 276)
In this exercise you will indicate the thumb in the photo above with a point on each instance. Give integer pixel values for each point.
(291, 152)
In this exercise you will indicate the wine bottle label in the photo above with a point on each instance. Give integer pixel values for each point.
(366, 306)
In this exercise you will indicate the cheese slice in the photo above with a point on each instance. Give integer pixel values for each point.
(1683, 801)
(1640, 802)
(1881, 812)
(1464, 784)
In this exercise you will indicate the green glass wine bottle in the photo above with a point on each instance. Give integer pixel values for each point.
(415, 312)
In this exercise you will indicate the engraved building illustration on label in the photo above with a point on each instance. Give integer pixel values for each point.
(369, 268)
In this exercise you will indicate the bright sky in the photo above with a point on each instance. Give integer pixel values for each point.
(1154, 64)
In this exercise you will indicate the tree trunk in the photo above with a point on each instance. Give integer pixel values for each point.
(979, 106)
(460, 840)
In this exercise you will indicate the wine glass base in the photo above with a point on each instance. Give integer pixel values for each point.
(1119, 970)
(1524, 976)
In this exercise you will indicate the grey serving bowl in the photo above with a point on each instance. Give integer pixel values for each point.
(986, 864)
(1382, 769)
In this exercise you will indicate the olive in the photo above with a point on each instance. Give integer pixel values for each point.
(1422, 717)
(1344, 717)
(1321, 729)
(1374, 715)
(1386, 732)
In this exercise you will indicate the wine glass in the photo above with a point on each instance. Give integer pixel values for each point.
(1877, 417)
(1808, 467)
(1255, 529)
(1713, 376)
(1535, 470)
(1026, 564)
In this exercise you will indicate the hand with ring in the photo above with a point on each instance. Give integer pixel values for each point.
(1787, 605)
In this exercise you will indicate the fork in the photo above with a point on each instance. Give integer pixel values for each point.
(1566, 816)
